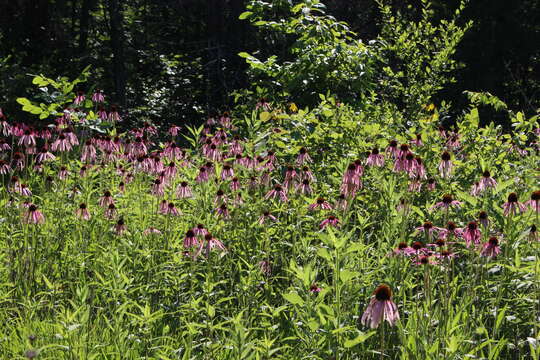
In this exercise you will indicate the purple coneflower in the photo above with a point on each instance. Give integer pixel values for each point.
(329, 221)
(314, 289)
(428, 229)
(223, 211)
(63, 173)
(44, 155)
(447, 202)
(491, 248)
(307, 174)
(266, 216)
(151, 231)
(82, 212)
(227, 172)
(33, 215)
(277, 191)
(106, 199)
(61, 144)
(291, 177)
(392, 149)
(341, 202)
(98, 96)
(534, 202)
(120, 227)
(403, 249)
(375, 158)
(4, 168)
(111, 212)
(211, 243)
(304, 187)
(183, 190)
(172, 210)
(190, 240)
(445, 166)
(320, 203)
(79, 98)
(513, 206)
(200, 230)
(486, 181)
(28, 139)
(471, 234)
(483, 219)
(235, 184)
(431, 184)
(303, 157)
(203, 175)
(381, 308)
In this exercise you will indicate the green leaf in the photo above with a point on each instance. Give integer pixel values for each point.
(293, 298)
(323, 252)
(265, 116)
(359, 339)
(244, 55)
(245, 15)
(346, 275)
(23, 101)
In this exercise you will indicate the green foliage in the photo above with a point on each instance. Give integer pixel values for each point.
(417, 56)
(324, 55)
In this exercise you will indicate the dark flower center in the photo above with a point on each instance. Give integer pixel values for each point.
(32, 208)
(424, 260)
(472, 226)
(482, 215)
(445, 156)
(512, 198)
(219, 193)
(375, 151)
(402, 245)
(493, 241)
(320, 201)
(428, 225)
(393, 143)
(535, 196)
(486, 174)
(417, 245)
(190, 234)
(440, 242)
(447, 199)
(383, 293)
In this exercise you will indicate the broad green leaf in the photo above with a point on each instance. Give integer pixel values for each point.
(294, 298)
(359, 339)
(245, 15)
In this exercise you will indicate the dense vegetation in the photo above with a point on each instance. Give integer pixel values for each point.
(343, 207)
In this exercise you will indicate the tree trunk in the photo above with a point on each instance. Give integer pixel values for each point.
(117, 44)
(84, 24)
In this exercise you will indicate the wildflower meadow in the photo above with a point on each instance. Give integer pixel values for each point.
(366, 222)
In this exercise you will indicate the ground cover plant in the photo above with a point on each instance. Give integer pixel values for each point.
(268, 233)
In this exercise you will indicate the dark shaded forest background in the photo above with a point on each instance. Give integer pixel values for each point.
(176, 60)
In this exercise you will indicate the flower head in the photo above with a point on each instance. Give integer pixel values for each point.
(513, 206)
(381, 308)
(491, 248)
